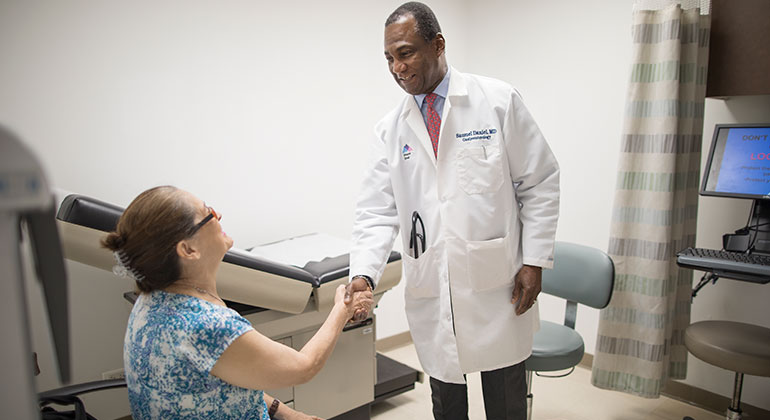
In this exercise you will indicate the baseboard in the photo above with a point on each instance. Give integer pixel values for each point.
(695, 396)
(674, 389)
(587, 361)
(394, 341)
(709, 400)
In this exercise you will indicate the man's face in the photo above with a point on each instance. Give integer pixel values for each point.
(416, 65)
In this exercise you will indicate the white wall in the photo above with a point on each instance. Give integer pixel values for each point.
(570, 61)
(116, 97)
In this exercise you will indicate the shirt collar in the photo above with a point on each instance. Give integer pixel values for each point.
(441, 90)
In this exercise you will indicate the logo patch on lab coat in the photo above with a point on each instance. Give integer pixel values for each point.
(407, 152)
(480, 134)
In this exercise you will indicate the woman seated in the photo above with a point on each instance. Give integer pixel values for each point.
(186, 354)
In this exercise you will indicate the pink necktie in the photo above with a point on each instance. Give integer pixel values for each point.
(434, 122)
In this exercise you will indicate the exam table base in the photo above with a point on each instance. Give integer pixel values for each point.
(393, 378)
(360, 413)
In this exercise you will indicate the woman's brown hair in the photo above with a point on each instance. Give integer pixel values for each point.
(148, 233)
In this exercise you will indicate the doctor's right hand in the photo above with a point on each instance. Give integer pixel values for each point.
(354, 302)
(527, 286)
(358, 285)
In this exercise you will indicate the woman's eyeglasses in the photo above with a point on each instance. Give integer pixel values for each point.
(212, 214)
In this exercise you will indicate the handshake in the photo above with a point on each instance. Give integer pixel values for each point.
(357, 297)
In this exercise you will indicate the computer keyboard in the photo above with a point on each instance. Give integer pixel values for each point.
(726, 262)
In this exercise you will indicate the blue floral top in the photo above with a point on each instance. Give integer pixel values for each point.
(172, 342)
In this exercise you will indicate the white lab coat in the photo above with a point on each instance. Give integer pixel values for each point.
(489, 204)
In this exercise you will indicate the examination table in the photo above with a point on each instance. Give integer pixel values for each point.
(284, 302)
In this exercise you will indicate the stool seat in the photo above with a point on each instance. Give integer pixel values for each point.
(555, 347)
(730, 345)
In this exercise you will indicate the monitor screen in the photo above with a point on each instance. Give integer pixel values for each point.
(739, 162)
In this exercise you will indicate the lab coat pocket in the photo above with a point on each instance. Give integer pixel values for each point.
(490, 263)
(422, 274)
(480, 169)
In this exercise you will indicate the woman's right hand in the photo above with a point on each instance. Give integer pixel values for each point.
(255, 361)
(361, 301)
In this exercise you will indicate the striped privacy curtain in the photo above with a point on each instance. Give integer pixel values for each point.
(640, 343)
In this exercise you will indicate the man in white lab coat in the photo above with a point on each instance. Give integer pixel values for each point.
(462, 170)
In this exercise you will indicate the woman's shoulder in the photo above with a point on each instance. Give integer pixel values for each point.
(192, 310)
(165, 315)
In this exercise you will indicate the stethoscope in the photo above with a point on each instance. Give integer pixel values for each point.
(414, 236)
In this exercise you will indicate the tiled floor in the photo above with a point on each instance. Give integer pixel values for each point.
(569, 398)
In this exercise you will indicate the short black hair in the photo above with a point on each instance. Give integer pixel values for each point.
(427, 24)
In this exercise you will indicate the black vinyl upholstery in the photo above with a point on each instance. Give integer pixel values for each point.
(96, 214)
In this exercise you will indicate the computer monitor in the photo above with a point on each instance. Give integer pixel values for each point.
(739, 162)
(738, 166)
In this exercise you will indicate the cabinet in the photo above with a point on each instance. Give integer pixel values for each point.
(739, 55)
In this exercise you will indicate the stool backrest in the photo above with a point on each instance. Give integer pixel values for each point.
(580, 274)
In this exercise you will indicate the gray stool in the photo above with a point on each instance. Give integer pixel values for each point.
(580, 274)
(738, 347)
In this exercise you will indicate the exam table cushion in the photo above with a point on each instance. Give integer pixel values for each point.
(89, 212)
(96, 214)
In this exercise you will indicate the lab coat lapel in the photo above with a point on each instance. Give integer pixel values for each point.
(456, 95)
(414, 120)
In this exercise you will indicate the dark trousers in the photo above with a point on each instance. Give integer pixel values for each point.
(505, 396)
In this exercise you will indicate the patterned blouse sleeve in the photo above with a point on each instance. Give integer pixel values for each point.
(210, 332)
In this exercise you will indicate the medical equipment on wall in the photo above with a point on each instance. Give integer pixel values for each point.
(27, 213)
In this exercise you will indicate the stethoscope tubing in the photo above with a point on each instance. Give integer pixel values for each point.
(414, 235)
